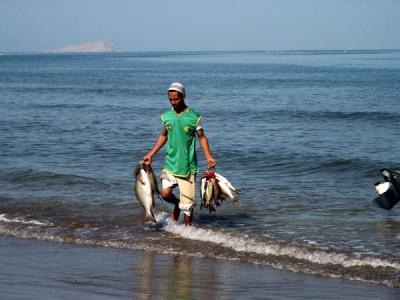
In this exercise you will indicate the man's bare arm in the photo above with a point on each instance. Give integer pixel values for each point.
(206, 148)
(162, 139)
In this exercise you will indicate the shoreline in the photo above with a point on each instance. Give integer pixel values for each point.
(38, 269)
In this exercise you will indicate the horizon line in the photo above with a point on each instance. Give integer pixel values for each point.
(197, 51)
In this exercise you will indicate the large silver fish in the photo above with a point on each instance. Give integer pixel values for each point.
(145, 189)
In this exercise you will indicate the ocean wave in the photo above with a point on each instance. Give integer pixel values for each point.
(336, 164)
(76, 90)
(211, 243)
(297, 163)
(252, 246)
(31, 176)
(307, 115)
(343, 115)
(22, 220)
(60, 106)
(69, 214)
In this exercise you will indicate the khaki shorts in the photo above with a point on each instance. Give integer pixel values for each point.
(187, 186)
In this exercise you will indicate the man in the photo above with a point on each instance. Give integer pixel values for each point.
(181, 124)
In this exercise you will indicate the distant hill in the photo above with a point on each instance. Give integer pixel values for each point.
(99, 46)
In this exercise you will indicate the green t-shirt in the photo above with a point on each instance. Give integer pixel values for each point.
(181, 128)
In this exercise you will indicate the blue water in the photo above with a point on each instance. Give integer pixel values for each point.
(303, 134)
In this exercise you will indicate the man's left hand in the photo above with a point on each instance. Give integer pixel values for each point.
(211, 163)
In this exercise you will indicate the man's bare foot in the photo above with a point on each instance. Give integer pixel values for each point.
(174, 215)
(188, 219)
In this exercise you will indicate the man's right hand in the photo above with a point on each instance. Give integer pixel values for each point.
(147, 159)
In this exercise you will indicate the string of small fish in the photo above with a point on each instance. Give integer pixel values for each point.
(214, 189)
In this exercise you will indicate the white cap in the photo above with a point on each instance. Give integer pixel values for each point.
(177, 87)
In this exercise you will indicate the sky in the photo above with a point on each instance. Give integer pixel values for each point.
(188, 25)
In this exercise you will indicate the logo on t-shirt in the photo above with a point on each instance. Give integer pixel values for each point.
(168, 127)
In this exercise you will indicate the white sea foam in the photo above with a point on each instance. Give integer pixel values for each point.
(250, 245)
(161, 216)
(21, 220)
(126, 244)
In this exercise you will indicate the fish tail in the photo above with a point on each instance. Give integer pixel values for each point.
(234, 199)
(149, 216)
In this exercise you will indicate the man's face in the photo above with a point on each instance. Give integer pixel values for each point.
(176, 99)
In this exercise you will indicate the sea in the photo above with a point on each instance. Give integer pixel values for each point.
(303, 135)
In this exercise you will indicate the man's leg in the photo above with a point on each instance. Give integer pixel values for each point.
(187, 197)
(188, 219)
(168, 196)
(168, 182)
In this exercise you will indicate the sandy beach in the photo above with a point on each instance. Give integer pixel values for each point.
(45, 270)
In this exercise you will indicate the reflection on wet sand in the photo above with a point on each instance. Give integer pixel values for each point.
(145, 274)
(180, 278)
(176, 278)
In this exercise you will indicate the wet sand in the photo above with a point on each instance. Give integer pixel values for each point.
(44, 270)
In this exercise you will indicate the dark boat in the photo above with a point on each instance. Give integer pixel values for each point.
(389, 191)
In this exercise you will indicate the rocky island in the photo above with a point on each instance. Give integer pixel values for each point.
(99, 46)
